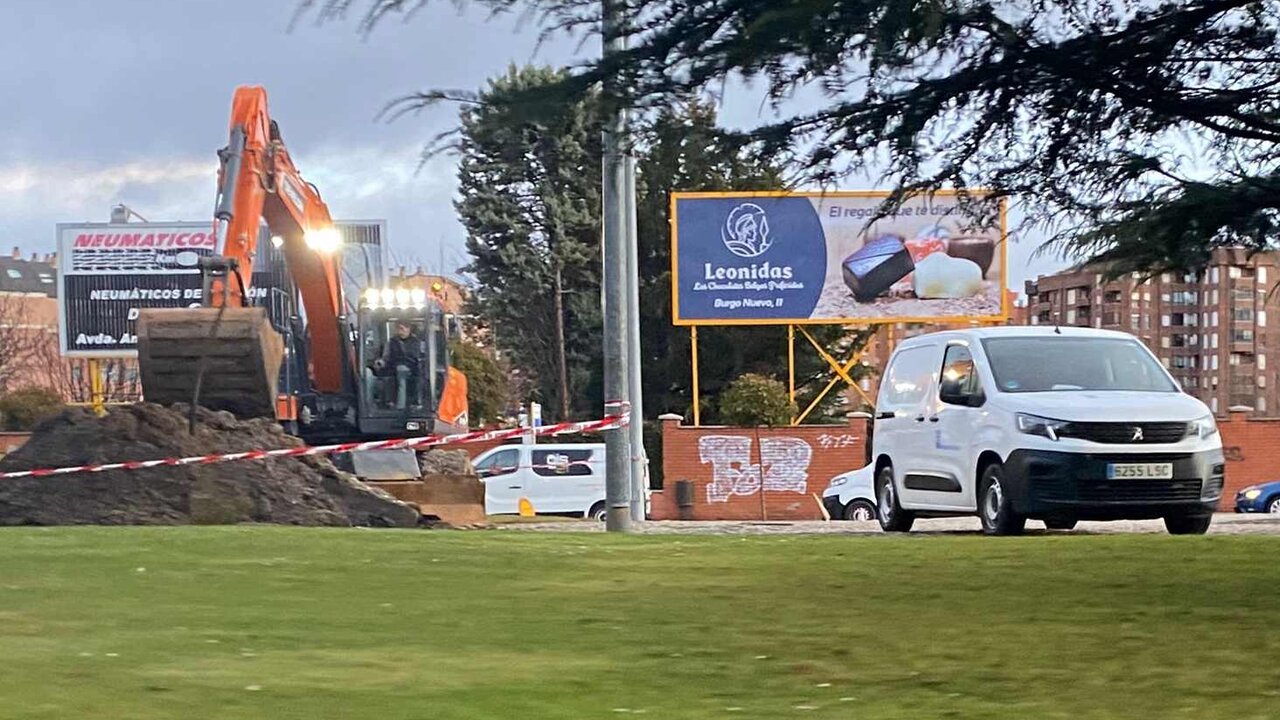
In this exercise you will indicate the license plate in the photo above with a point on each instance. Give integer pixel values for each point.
(1140, 471)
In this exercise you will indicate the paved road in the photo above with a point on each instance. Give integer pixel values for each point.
(1223, 524)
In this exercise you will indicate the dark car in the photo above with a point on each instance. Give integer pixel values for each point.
(1261, 498)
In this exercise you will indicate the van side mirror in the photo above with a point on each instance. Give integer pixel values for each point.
(952, 394)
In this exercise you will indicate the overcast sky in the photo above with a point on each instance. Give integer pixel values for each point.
(109, 101)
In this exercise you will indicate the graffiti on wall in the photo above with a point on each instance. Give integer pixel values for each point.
(784, 460)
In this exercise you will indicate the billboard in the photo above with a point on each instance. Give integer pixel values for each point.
(795, 258)
(108, 272)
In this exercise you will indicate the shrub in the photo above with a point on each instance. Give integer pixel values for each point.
(24, 408)
(754, 400)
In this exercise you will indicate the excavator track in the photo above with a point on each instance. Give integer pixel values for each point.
(231, 354)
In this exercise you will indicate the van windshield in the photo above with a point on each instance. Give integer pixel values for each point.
(1044, 364)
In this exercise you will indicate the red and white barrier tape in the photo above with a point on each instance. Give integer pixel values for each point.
(609, 422)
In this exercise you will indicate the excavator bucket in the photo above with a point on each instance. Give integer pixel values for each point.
(456, 499)
(233, 354)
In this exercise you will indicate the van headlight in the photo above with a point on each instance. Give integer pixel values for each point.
(1204, 427)
(837, 481)
(1036, 425)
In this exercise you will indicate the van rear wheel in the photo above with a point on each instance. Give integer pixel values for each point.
(598, 512)
(890, 513)
(994, 508)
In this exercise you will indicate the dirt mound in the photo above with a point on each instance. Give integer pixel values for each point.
(293, 491)
(446, 462)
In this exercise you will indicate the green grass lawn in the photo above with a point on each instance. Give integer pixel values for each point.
(295, 623)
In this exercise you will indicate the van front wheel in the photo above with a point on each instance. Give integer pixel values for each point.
(994, 508)
(888, 511)
(598, 512)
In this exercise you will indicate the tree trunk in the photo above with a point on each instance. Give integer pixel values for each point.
(561, 358)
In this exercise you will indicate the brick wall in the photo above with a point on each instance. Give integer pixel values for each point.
(725, 466)
(1252, 447)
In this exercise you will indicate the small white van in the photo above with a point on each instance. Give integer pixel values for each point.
(1054, 424)
(557, 479)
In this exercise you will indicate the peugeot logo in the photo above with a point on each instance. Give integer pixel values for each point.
(1137, 434)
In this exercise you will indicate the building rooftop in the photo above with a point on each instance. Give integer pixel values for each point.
(35, 274)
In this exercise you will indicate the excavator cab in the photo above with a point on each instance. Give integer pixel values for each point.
(403, 356)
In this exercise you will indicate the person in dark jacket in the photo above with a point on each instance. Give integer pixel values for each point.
(401, 357)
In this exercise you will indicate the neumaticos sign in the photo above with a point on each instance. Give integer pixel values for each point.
(108, 272)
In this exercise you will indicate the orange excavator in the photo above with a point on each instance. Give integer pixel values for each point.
(327, 377)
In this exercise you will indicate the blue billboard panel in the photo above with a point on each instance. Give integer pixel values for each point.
(780, 258)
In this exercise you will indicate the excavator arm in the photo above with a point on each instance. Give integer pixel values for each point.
(226, 355)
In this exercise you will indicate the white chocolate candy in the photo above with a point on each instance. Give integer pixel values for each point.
(942, 276)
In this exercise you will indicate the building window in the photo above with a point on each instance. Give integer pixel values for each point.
(1135, 320)
(13, 273)
(1213, 276)
(1164, 321)
(1111, 319)
(1242, 314)
(1262, 402)
(1262, 361)
(1242, 336)
(1262, 318)
(1184, 297)
(1111, 296)
(1185, 362)
(1164, 341)
(1215, 319)
(1262, 277)
(1044, 317)
(1233, 272)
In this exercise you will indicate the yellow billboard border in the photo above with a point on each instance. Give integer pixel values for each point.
(927, 319)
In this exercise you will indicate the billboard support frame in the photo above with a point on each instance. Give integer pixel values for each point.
(842, 369)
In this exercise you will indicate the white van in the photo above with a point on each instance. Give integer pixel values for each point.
(563, 479)
(1055, 424)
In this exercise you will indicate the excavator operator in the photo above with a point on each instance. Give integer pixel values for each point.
(401, 358)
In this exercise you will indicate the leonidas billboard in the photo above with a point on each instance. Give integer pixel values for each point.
(782, 258)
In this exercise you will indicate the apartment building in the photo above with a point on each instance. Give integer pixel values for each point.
(1210, 328)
